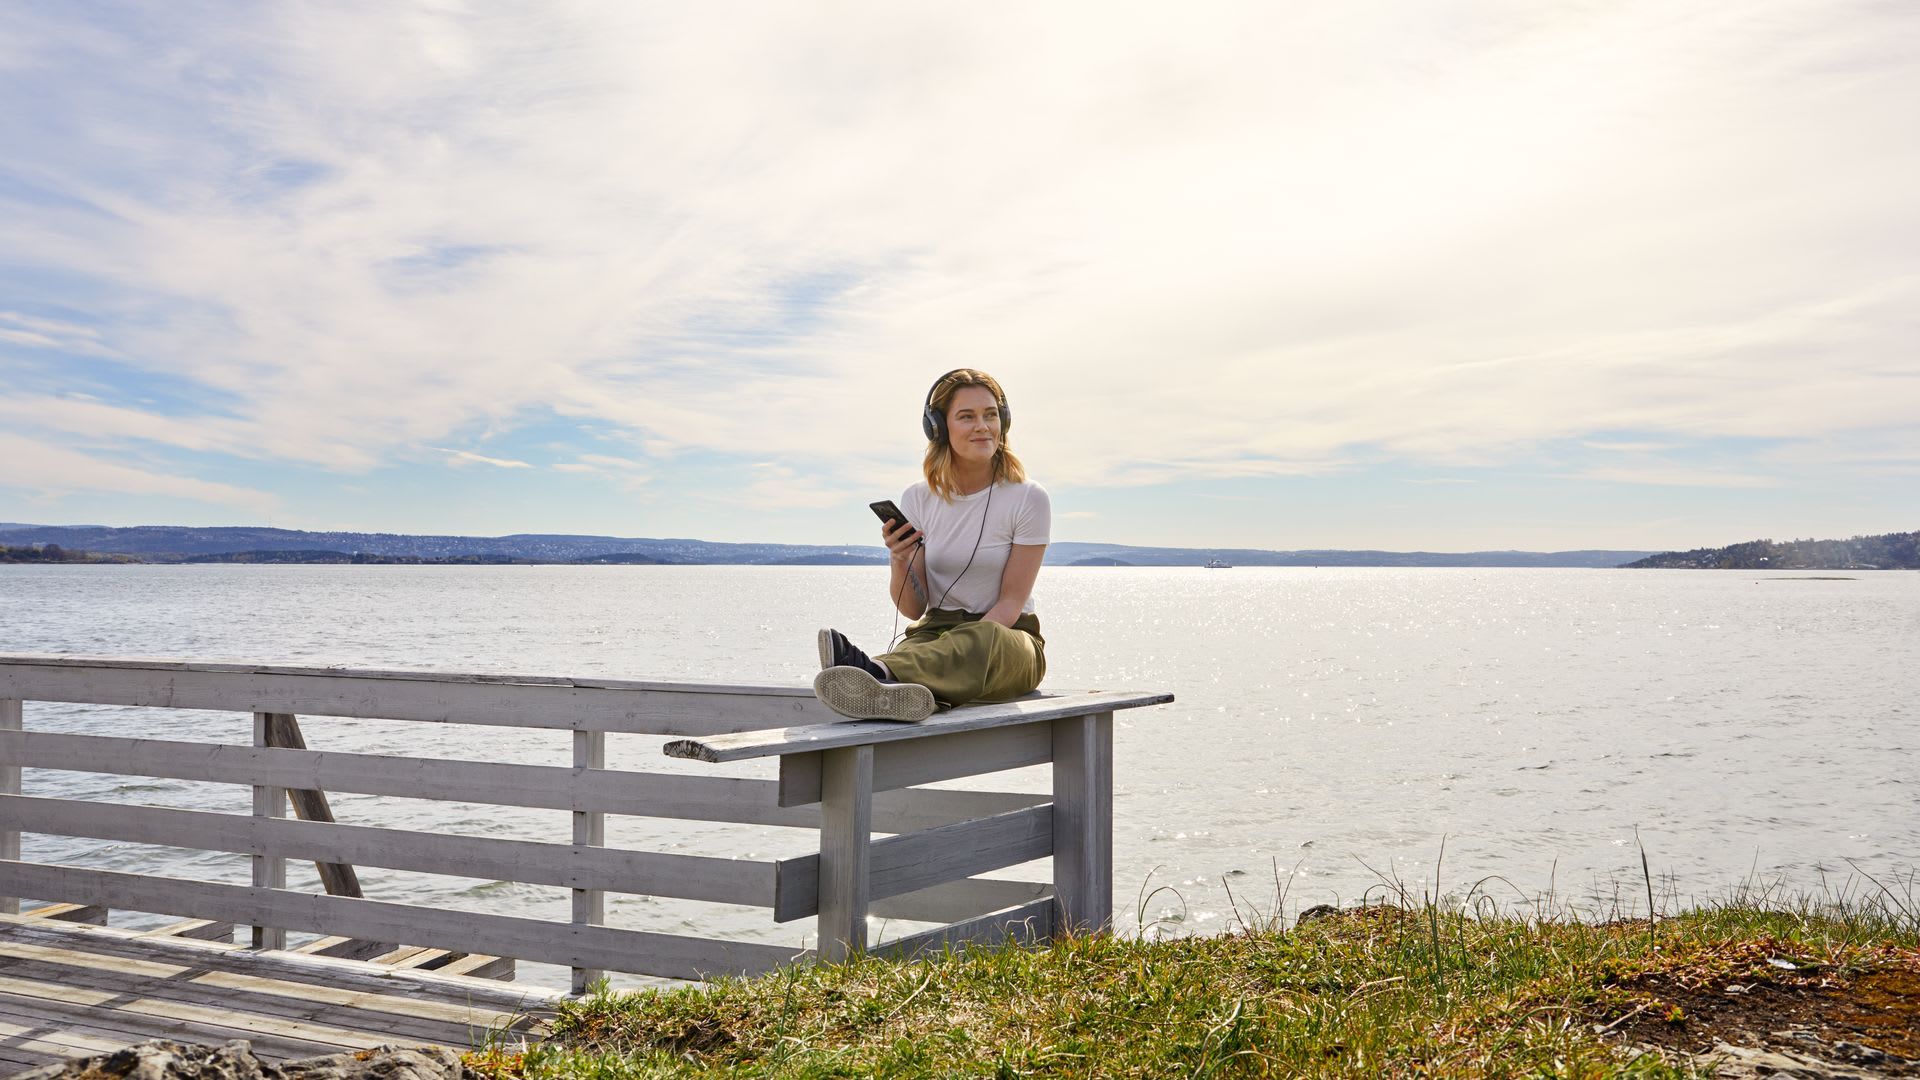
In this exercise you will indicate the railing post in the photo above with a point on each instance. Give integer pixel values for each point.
(269, 871)
(846, 834)
(589, 830)
(9, 785)
(1083, 823)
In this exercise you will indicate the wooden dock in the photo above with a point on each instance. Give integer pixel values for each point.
(889, 846)
(69, 990)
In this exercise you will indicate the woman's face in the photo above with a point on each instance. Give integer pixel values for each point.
(973, 424)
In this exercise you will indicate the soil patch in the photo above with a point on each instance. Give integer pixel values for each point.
(1869, 1023)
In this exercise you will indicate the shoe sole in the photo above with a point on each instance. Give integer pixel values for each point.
(825, 640)
(852, 692)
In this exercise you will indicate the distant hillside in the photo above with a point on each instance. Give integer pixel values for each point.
(1073, 552)
(173, 543)
(321, 558)
(1891, 551)
(54, 553)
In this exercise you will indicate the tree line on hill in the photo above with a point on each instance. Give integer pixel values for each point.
(1889, 551)
(54, 553)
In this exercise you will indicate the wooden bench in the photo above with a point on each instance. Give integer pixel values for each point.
(849, 780)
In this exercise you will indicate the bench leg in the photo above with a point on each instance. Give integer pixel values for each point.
(846, 832)
(1083, 823)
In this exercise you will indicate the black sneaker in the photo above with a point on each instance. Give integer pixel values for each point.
(852, 691)
(837, 651)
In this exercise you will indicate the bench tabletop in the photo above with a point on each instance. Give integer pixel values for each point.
(220, 667)
(775, 742)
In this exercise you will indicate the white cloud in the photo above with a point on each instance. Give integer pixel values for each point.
(631, 475)
(1681, 477)
(33, 466)
(1242, 245)
(462, 458)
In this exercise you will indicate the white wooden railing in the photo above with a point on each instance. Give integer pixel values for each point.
(849, 780)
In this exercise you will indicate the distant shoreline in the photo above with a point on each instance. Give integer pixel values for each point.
(239, 545)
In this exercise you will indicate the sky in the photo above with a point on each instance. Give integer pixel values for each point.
(1429, 274)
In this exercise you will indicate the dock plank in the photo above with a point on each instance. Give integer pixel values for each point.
(68, 990)
(289, 1001)
(59, 1022)
(288, 967)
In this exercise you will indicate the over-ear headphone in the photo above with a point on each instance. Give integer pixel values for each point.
(933, 422)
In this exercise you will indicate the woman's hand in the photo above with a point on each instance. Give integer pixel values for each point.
(902, 542)
(901, 539)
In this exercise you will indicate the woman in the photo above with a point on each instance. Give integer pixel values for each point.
(964, 563)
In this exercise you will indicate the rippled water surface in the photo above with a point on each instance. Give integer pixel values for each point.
(1332, 726)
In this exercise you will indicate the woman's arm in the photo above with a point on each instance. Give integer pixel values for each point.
(907, 578)
(1016, 582)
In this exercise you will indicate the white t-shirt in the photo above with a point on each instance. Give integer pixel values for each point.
(1012, 513)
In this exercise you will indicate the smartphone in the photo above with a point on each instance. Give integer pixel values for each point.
(886, 511)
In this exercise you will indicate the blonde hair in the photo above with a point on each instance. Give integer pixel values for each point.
(938, 464)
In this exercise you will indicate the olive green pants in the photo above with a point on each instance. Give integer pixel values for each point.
(961, 657)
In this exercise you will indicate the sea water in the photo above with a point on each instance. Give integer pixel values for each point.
(1338, 734)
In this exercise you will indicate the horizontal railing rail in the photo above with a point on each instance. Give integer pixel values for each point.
(889, 847)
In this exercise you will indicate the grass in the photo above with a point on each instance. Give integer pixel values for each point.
(1422, 988)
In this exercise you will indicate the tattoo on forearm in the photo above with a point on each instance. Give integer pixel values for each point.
(913, 579)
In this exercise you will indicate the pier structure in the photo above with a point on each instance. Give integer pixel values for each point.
(889, 846)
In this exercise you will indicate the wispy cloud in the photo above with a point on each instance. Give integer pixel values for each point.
(630, 474)
(468, 457)
(1235, 247)
(1628, 446)
(1680, 477)
(35, 466)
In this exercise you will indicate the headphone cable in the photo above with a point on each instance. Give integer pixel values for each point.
(984, 512)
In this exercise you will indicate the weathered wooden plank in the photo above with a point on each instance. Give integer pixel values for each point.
(345, 948)
(243, 1021)
(959, 901)
(241, 667)
(688, 877)
(203, 929)
(197, 968)
(840, 889)
(436, 1020)
(277, 1012)
(636, 951)
(1025, 924)
(57, 1009)
(269, 868)
(773, 742)
(740, 800)
(448, 1009)
(480, 966)
(77, 913)
(49, 1041)
(10, 722)
(927, 761)
(600, 705)
(914, 861)
(589, 832)
(1083, 822)
(137, 950)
